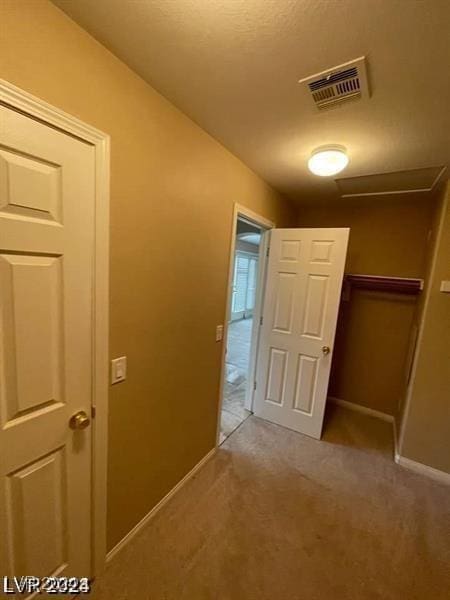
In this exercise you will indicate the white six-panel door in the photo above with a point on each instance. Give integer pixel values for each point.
(46, 251)
(301, 301)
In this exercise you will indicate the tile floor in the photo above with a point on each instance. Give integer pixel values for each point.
(237, 358)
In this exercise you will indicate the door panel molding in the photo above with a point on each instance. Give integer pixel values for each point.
(20, 101)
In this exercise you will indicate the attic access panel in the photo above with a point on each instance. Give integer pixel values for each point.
(393, 182)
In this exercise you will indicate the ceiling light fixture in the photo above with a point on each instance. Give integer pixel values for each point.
(328, 160)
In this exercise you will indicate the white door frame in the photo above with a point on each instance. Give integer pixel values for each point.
(21, 101)
(241, 211)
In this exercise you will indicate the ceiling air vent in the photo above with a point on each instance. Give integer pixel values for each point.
(338, 85)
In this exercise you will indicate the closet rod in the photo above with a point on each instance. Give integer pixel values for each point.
(396, 285)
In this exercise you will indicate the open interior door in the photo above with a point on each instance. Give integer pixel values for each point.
(301, 301)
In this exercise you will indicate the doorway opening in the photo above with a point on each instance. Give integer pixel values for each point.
(243, 315)
(287, 358)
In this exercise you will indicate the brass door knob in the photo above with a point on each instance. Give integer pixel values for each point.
(326, 349)
(79, 420)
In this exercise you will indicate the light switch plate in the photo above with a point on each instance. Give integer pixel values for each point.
(219, 333)
(445, 286)
(118, 369)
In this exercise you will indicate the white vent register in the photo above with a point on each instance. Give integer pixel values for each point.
(338, 84)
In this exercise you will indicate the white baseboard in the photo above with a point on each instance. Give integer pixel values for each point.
(407, 463)
(143, 522)
(362, 409)
(422, 469)
(396, 446)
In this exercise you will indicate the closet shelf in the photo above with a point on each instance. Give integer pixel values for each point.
(395, 285)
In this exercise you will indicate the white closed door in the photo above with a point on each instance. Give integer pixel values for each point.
(46, 253)
(301, 302)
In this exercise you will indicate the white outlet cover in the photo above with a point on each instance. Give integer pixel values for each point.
(219, 333)
(118, 369)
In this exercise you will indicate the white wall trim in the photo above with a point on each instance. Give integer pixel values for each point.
(422, 469)
(395, 432)
(407, 463)
(241, 211)
(21, 101)
(145, 520)
(421, 325)
(365, 410)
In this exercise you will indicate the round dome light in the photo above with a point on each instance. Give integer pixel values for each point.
(328, 161)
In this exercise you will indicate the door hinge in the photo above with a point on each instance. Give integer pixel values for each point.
(268, 251)
(93, 411)
(260, 320)
(254, 385)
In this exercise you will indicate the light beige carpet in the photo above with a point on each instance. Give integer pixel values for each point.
(278, 516)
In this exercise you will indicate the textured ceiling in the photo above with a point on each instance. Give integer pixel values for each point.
(233, 67)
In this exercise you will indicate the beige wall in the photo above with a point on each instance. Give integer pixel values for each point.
(172, 194)
(387, 237)
(426, 425)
